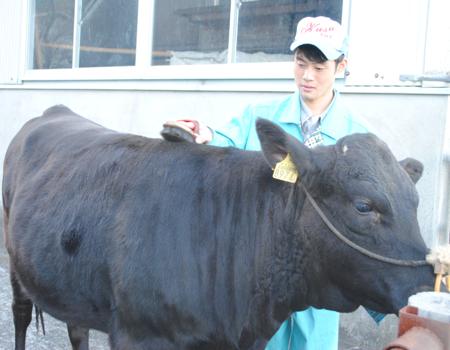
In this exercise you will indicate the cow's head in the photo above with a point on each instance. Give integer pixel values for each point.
(371, 199)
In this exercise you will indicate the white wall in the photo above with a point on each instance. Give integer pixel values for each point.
(10, 40)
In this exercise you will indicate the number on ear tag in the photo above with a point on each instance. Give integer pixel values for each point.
(286, 170)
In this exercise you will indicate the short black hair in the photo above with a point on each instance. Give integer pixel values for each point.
(313, 54)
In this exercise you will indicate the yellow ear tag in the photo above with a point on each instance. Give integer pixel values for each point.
(286, 170)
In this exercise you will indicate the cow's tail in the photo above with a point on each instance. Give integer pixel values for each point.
(39, 318)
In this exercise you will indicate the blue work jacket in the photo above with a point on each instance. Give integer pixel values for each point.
(311, 329)
(240, 132)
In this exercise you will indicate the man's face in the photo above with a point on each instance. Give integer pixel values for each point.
(315, 80)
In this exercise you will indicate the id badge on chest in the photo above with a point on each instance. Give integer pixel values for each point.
(314, 140)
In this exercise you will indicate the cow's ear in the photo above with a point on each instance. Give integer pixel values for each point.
(276, 144)
(273, 139)
(413, 167)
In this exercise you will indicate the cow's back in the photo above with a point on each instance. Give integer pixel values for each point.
(62, 186)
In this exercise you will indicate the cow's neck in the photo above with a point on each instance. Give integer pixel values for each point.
(306, 278)
(263, 217)
(293, 252)
(293, 278)
(282, 288)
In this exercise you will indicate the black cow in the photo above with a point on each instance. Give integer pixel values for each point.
(168, 245)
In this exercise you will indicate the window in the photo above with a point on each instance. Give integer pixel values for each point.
(190, 32)
(88, 33)
(53, 34)
(267, 28)
(103, 33)
(108, 33)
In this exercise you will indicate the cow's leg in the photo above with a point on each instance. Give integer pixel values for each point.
(22, 308)
(79, 337)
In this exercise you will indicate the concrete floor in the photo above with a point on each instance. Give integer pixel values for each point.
(357, 330)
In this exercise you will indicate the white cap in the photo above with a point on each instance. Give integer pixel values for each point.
(324, 33)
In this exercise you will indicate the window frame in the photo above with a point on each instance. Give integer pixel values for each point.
(143, 70)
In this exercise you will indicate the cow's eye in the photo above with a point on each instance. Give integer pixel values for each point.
(363, 207)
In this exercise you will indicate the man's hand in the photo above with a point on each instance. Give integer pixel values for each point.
(187, 130)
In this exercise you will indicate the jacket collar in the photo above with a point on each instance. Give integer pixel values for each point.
(334, 127)
(337, 126)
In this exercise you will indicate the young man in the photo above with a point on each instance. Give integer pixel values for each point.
(315, 115)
